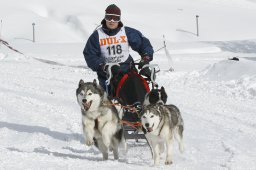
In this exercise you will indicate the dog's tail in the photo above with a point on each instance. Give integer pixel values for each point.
(177, 123)
(178, 134)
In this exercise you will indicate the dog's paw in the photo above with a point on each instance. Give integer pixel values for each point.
(168, 162)
(89, 142)
(181, 148)
(156, 163)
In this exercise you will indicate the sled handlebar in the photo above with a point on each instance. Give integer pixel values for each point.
(151, 66)
(153, 71)
(109, 72)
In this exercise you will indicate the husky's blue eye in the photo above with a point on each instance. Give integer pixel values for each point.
(89, 94)
(152, 116)
(144, 117)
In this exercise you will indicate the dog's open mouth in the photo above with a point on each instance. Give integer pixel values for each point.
(87, 105)
(150, 129)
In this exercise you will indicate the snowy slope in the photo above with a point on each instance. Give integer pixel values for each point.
(40, 120)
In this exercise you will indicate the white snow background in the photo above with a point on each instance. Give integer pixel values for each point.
(40, 120)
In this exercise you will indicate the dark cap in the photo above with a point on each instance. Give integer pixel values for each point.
(113, 10)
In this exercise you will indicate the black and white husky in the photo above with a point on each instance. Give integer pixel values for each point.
(100, 120)
(155, 96)
(160, 124)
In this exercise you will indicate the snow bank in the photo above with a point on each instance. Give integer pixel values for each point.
(237, 78)
(193, 48)
(2, 56)
(230, 70)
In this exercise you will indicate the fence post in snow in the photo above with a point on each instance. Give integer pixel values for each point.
(197, 29)
(33, 25)
(1, 33)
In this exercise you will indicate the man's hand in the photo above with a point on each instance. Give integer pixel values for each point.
(145, 60)
(115, 69)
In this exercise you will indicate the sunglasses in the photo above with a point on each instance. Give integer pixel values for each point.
(112, 17)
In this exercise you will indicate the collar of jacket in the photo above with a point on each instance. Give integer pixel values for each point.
(111, 32)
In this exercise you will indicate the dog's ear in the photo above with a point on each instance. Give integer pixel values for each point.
(100, 89)
(80, 83)
(95, 82)
(163, 95)
(142, 108)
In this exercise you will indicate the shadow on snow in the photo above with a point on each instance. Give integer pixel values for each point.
(43, 130)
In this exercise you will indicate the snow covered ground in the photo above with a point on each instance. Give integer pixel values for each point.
(40, 120)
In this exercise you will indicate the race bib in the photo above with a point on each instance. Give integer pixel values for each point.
(115, 49)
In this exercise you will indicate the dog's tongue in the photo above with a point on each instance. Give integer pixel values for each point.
(87, 105)
(150, 129)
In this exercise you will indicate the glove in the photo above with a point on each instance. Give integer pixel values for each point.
(145, 72)
(145, 60)
(115, 69)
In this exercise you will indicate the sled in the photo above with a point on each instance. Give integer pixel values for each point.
(129, 89)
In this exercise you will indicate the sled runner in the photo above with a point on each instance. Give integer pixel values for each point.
(129, 89)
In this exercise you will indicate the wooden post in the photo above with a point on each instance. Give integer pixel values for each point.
(33, 25)
(197, 27)
(1, 32)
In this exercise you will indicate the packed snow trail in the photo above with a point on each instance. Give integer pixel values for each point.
(222, 127)
(41, 121)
